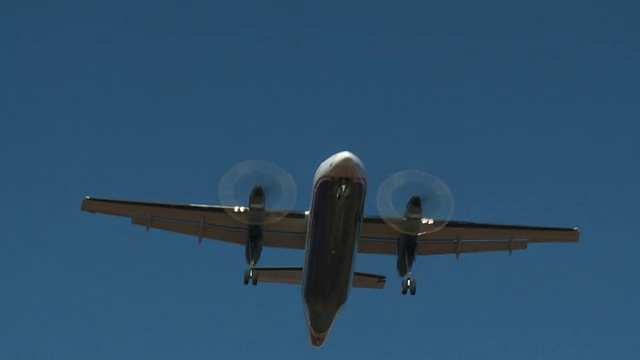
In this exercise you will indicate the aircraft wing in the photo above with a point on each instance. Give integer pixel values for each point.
(376, 236)
(456, 237)
(203, 221)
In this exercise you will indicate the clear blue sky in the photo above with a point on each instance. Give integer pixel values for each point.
(529, 112)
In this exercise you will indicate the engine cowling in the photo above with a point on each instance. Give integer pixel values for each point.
(407, 243)
(253, 247)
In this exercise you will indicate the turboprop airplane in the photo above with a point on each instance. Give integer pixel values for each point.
(330, 233)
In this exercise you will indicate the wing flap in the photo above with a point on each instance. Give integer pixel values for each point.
(478, 231)
(177, 212)
(431, 248)
(389, 247)
(457, 237)
(227, 235)
(202, 221)
(213, 215)
(279, 240)
(376, 227)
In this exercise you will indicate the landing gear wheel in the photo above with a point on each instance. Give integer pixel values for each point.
(254, 279)
(412, 287)
(246, 277)
(404, 286)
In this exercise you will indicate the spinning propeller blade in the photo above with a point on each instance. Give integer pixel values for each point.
(415, 202)
(255, 186)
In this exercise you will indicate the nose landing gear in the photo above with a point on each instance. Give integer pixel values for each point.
(343, 190)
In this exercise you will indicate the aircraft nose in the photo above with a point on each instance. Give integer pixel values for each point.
(346, 161)
(346, 164)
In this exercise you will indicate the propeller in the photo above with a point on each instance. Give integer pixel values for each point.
(415, 202)
(257, 192)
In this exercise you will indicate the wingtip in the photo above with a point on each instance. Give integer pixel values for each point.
(83, 206)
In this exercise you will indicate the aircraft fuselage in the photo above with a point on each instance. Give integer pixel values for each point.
(335, 217)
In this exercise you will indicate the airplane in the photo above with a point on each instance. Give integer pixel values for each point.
(331, 232)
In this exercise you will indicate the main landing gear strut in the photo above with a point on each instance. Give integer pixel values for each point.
(408, 283)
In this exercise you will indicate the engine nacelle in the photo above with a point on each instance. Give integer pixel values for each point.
(253, 247)
(407, 244)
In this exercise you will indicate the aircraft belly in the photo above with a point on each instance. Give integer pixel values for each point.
(333, 236)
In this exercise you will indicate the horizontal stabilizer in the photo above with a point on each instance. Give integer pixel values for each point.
(293, 275)
(283, 275)
(370, 281)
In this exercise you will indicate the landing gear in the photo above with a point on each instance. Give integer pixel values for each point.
(343, 191)
(250, 274)
(409, 283)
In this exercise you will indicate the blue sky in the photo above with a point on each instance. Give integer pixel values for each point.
(528, 112)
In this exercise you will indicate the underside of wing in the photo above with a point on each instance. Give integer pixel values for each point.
(203, 221)
(458, 237)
